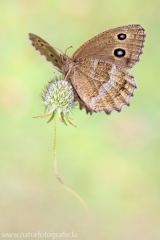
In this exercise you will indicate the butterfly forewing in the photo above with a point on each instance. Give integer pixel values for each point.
(51, 54)
(121, 46)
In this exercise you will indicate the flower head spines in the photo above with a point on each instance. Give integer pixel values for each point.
(58, 96)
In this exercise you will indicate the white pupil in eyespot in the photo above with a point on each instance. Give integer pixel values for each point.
(121, 36)
(119, 52)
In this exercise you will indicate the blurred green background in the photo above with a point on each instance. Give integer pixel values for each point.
(113, 161)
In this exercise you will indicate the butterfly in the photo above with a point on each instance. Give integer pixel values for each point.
(98, 69)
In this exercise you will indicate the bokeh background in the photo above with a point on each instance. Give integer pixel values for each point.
(113, 161)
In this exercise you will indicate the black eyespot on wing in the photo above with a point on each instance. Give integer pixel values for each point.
(119, 52)
(121, 36)
(53, 57)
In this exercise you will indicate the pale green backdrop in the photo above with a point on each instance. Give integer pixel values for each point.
(113, 161)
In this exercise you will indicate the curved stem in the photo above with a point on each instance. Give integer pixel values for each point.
(56, 169)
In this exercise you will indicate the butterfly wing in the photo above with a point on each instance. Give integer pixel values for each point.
(121, 46)
(47, 50)
(102, 86)
(82, 105)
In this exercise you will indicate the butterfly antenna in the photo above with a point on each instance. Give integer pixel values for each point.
(60, 50)
(68, 48)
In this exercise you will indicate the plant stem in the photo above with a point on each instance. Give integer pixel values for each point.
(56, 169)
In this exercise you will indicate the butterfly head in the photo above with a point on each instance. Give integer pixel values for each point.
(67, 64)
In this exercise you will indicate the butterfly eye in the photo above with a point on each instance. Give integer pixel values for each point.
(119, 52)
(121, 36)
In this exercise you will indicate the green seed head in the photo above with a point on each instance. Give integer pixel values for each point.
(59, 95)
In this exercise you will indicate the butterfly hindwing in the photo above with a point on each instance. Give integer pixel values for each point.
(104, 88)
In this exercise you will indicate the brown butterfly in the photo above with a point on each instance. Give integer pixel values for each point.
(97, 70)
